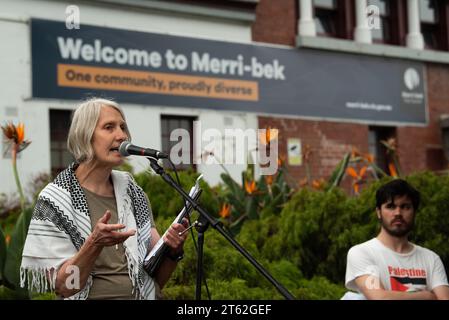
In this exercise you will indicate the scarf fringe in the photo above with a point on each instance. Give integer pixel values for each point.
(129, 258)
(84, 293)
(38, 279)
(133, 272)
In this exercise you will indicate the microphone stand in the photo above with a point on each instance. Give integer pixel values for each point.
(208, 219)
(201, 228)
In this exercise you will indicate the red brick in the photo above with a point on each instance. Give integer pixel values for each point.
(276, 22)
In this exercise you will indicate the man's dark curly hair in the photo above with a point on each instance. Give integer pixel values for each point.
(395, 188)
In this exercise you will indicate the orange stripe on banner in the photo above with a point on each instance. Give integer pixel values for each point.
(77, 76)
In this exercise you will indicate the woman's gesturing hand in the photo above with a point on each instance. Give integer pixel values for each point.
(105, 234)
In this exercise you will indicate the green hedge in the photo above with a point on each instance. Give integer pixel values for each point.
(305, 247)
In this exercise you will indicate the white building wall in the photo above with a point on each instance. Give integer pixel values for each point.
(16, 103)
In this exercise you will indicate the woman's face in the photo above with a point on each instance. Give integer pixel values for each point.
(108, 135)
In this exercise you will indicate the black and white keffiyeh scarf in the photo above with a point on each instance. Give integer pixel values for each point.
(61, 223)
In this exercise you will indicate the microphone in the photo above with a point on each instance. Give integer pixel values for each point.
(126, 149)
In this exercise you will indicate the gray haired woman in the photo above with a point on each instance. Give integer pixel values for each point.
(92, 226)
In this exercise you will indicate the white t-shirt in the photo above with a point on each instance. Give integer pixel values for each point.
(419, 269)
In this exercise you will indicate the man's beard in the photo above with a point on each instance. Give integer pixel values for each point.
(397, 231)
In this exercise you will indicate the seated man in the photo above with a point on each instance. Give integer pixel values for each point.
(389, 266)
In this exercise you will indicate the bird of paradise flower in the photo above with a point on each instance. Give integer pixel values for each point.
(358, 177)
(16, 143)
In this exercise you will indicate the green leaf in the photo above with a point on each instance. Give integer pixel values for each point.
(251, 207)
(250, 168)
(235, 188)
(15, 248)
(278, 201)
(339, 172)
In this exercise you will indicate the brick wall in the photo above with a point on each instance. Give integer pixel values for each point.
(276, 22)
(329, 141)
(421, 148)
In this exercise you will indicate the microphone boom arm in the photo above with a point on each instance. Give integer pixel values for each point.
(218, 226)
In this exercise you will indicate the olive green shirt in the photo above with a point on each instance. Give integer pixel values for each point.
(110, 273)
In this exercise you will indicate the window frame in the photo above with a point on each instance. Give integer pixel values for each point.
(438, 29)
(166, 135)
(59, 119)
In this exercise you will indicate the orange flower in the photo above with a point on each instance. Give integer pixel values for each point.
(369, 157)
(358, 177)
(7, 239)
(392, 169)
(225, 210)
(363, 171)
(318, 184)
(355, 153)
(356, 188)
(16, 135)
(269, 180)
(303, 182)
(20, 133)
(351, 171)
(15, 138)
(250, 187)
(268, 136)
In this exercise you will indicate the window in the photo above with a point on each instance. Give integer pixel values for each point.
(185, 156)
(59, 129)
(382, 34)
(334, 18)
(444, 125)
(326, 17)
(428, 12)
(376, 148)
